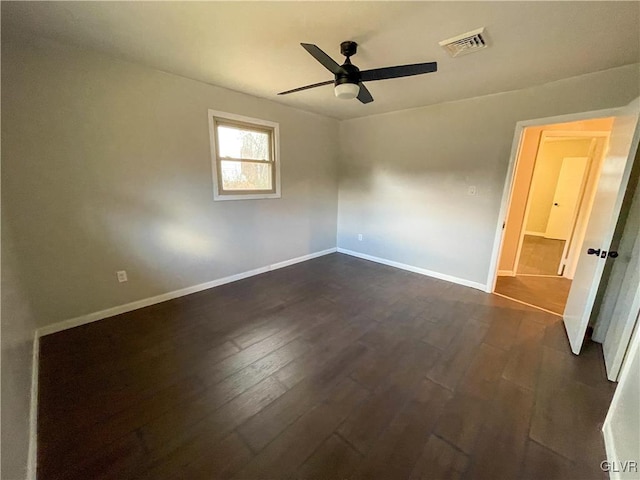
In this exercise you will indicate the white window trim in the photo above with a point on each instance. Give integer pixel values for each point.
(214, 168)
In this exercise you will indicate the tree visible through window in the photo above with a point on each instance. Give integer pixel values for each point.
(245, 160)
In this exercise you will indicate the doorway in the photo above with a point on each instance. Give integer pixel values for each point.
(556, 174)
(594, 238)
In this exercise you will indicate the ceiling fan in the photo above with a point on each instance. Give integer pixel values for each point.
(348, 78)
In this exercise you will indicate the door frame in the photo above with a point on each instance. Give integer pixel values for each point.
(527, 207)
(510, 177)
(551, 136)
(597, 152)
(571, 254)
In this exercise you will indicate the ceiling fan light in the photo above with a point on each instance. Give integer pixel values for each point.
(347, 91)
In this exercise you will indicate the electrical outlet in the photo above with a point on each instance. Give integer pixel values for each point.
(360, 237)
(472, 190)
(122, 276)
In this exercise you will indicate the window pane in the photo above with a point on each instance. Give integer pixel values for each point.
(246, 175)
(238, 143)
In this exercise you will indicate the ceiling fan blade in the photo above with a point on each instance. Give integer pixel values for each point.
(364, 95)
(306, 87)
(399, 71)
(322, 57)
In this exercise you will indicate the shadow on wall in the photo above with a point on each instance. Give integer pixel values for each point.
(155, 233)
(422, 220)
(151, 237)
(163, 235)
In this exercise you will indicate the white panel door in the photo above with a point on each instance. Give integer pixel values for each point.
(614, 176)
(566, 198)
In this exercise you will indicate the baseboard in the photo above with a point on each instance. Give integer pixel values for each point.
(537, 275)
(411, 268)
(506, 273)
(535, 234)
(128, 307)
(32, 456)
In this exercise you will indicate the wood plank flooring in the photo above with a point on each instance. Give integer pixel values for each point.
(333, 368)
(550, 293)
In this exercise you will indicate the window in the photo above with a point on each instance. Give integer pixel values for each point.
(245, 157)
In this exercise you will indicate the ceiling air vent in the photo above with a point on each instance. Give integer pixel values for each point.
(466, 43)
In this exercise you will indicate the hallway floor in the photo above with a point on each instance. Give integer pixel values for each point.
(540, 256)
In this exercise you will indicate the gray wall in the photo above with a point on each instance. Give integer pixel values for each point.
(18, 328)
(106, 167)
(404, 175)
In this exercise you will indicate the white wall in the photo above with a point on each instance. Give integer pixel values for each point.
(106, 167)
(404, 175)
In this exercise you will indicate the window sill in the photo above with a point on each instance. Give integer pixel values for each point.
(253, 196)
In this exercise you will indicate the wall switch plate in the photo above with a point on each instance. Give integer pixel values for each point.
(360, 237)
(472, 190)
(122, 276)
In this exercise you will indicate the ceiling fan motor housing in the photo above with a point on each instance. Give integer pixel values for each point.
(349, 74)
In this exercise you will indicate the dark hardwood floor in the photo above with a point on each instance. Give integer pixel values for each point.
(334, 368)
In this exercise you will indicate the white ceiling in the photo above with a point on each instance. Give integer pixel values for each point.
(253, 47)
